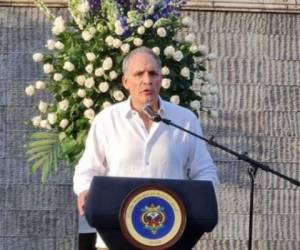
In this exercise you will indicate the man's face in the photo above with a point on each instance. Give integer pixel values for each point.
(143, 80)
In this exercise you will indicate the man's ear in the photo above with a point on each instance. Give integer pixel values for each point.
(124, 82)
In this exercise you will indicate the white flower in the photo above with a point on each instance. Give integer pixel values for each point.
(213, 113)
(88, 102)
(165, 71)
(89, 68)
(30, 90)
(37, 57)
(89, 82)
(212, 56)
(194, 49)
(156, 50)
(106, 104)
(161, 32)
(59, 45)
(169, 51)
(103, 87)
(213, 90)
(141, 30)
(175, 99)
(50, 44)
(99, 72)
(83, 7)
(113, 75)
(58, 29)
(187, 21)
(52, 118)
(36, 121)
(86, 35)
(166, 83)
(197, 81)
(80, 80)
(107, 63)
(59, 21)
(125, 48)
(109, 40)
(58, 77)
(148, 23)
(48, 68)
(43, 106)
(40, 85)
(118, 28)
(45, 124)
(64, 123)
(195, 104)
(81, 93)
(92, 30)
(137, 42)
(118, 95)
(185, 72)
(117, 43)
(68, 66)
(203, 49)
(89, 113)
(177, 56)
(209, 77)
(63, 105)
(190, 38)
(90, 56)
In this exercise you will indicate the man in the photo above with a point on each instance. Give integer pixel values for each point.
(124, 141)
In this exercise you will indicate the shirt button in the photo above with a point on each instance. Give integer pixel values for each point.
(147, 163)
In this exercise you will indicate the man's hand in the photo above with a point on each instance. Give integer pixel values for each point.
(81, 199)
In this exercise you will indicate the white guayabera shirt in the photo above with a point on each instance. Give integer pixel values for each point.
(118, 144)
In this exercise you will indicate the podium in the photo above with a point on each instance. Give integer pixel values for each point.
(107, 195)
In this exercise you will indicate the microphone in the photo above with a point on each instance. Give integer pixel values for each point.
(154, 116)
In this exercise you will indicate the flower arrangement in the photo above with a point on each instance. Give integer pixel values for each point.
(84, 62)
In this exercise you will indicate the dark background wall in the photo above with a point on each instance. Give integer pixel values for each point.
(258, 74)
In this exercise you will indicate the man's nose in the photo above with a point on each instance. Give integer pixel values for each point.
(147, 78)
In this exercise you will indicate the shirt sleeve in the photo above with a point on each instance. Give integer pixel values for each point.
(201, 166)
(92, 160)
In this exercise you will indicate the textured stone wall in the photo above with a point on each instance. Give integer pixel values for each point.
(258, 74)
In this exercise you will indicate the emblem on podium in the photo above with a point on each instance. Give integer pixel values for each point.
(152, 217)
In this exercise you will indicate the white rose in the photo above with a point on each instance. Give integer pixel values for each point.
(52, 118)
(92, 30)
(169, 51)
(117, 43)
(195, 105)
(58, 77)
(48, 68)
(161, 32)
(106, 104)
(212, 56)
(165, 71)
(36, 121)
(59, 21)
(194, 49)
(30, 90)
(44, 124)
(89, 82)
(87, 102)
(175, 99)
(58, 29)
(37, 57)
(203, 49)
(89, 113)
(40, 85)
(137, 42)
(166, 83)
(109, 40)
(59, 45)
(177, 56)
(107, 63)
(156, 51)
(63, 105)
(81, 93)
(90, 56)
(64, 123)
(213, 113)
(185, 72)
(190, 38)
(119, 31)
(118, 95)
(80, 80)
(83, 7)
(187, 21)
(86, 35)
(125, 48)
(103, 87)
(89, 68)
(148, 23)
(68, 66)
(43, 106)
(141, 30)
(99, 72)
(50, 44)
(113, 75)
(209, 77)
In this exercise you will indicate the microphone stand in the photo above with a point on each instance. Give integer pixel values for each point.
(254, 166)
